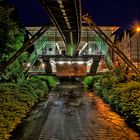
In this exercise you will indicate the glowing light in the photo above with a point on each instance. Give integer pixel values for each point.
(138, 29)
(58, 48)
(53, 62)
(64, 14)
(80, 62)
(43, 65)
(69, 62)
(69, 27)
(28, 64)
(60, 2)
(83, 48)
(63, 11)
(61, 6)
(89, 63)
(71, 38)
(60, 62)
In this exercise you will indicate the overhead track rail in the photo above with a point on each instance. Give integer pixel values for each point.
(66, 16)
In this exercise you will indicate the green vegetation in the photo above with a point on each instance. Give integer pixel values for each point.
(121, 92)
(17, 95)
(51, 81)
(16, 102)
(89, 81)
(11, 39)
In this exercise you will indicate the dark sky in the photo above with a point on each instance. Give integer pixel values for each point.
(124, 13)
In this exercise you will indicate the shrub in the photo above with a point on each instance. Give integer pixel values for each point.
(120, 92)
(50, 80)
(90, 80)
(123, 97)
(16, 100)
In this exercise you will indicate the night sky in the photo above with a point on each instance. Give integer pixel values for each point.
(123, 13)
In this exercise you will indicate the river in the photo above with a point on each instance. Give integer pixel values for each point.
(75, 114)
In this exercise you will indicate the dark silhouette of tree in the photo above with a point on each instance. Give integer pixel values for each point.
(11, 39)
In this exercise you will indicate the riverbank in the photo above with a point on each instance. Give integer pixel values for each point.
(17, 99)
(121, 94)
(67, 119)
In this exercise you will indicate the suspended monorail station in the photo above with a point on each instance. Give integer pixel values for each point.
(67, 78)
(74, 45)
(58, 58)
(71, 44)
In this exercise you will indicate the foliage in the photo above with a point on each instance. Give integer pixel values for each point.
(16, 101)
(50, 80)
(11, 39)
(121, 93)
(90, 80)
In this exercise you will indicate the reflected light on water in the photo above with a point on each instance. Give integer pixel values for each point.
(112, 119)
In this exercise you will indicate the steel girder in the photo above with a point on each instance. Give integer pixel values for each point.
(27, 44)
(66, 16)
(111, 44)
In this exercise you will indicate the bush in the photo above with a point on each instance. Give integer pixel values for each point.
(120, 92)
(90, 80)
(16, 102)
(50, 80)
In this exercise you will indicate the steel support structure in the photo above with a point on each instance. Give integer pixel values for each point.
(111, 44)
(26, 45)
(67, 21)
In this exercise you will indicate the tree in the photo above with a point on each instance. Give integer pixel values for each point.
(11, 39)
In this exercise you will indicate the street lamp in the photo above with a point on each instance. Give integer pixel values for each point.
(138, 29)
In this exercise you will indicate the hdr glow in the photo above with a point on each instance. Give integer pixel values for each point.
(70, 62)
(80, 62)
(28, 64)
(83, 48)
(43, 65)
(60, 62)
(138, 29)
(58, 48)
(69, 77)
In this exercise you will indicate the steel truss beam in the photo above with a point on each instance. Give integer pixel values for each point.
(61, 17)
(47, 10)
(111, 44)
(26, 45)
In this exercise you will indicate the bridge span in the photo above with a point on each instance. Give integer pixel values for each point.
(76, 49)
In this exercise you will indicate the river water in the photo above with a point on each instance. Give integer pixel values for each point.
(77, 115)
